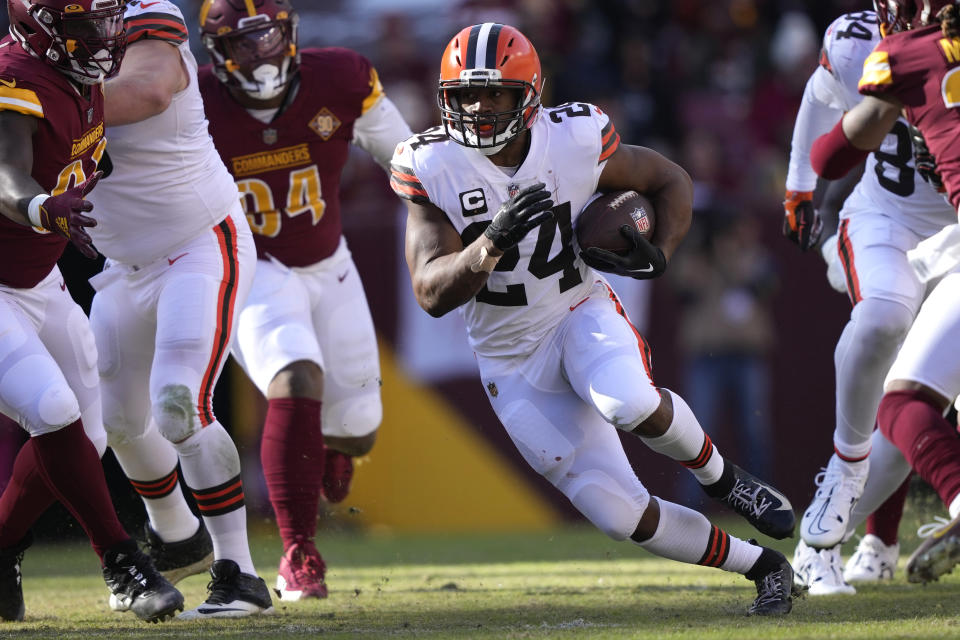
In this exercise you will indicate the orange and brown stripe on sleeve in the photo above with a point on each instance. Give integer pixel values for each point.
(718, 548)
(609, 141)
(405, 184)
(221, 499)
(157, 26)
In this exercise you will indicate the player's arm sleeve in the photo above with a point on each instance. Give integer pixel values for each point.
(403, 177)
(609, 140)
(814, 118)
(380, 129)
(161, 22)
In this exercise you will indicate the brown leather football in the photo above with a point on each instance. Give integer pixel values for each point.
(598, 224)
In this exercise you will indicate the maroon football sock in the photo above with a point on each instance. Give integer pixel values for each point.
(925, 438)
(71, 467)
(12, 438)
(292, 456)
(25, 499)
(885, 521)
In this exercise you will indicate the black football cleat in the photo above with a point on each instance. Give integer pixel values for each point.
(775, 587)
(11, 580)
(137, 585)
(232, 594)
(760, 503)
(177, 560)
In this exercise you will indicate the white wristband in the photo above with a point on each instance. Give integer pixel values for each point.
(33, 209)
(486, 262)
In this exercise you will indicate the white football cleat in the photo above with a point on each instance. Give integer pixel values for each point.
(839, 486)
(872, 561)
(819, 571)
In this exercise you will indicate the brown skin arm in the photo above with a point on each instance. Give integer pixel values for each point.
(439, 263)
(151, 73)
(668, 186)
(17, 187)
(870, 121)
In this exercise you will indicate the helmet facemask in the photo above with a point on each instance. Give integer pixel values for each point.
(471, 129)
(88, 46)
(259, 58)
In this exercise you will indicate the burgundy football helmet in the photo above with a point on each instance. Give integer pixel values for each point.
(252, 44)
(84, 39)
(901, 15)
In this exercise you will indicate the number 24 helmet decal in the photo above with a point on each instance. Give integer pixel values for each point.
(489, 55)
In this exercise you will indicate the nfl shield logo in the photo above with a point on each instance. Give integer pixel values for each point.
(492, 388)
(512, 190)
(269, 136)
(640, 219)
(90, 115)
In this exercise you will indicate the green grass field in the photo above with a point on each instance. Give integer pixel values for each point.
(573, 583)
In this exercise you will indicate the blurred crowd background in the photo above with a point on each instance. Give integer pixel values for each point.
(743, 324)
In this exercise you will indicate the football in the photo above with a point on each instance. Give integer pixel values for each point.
(598, 224)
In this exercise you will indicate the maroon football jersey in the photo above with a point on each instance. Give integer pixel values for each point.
(288, 171)
(922, 69)
(66, 148)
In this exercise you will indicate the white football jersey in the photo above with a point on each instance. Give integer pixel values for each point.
(890, 180)
(168, 183)
(537, 283)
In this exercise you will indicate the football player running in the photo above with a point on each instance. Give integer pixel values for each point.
(890, 210)
(492, 196)
(283, 119)
(915, 69)
(51, 141)
(180, 263)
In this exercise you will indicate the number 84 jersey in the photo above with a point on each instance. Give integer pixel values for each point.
(538, 282)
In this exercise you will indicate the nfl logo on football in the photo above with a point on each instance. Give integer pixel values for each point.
(640, 219)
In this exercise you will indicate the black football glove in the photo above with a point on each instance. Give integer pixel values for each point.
(801, 222)
(517, 216)
(63, 215)
(925, 162)
(643, 262)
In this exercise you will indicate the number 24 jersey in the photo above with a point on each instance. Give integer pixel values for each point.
(536, 283)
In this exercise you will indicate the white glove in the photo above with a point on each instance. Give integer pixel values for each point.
(835, 274)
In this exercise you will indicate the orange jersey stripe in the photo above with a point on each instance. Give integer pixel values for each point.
(609, 151)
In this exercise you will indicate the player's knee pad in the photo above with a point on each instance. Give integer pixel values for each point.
(881, 325)
(622, 393)
(354, 417)
(175, 412)
(540, 443)
(609, 506)
(37, 390)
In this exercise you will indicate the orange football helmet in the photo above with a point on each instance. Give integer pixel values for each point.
(489, 55)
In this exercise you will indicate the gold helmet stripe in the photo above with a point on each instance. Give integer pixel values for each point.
(204, 10)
